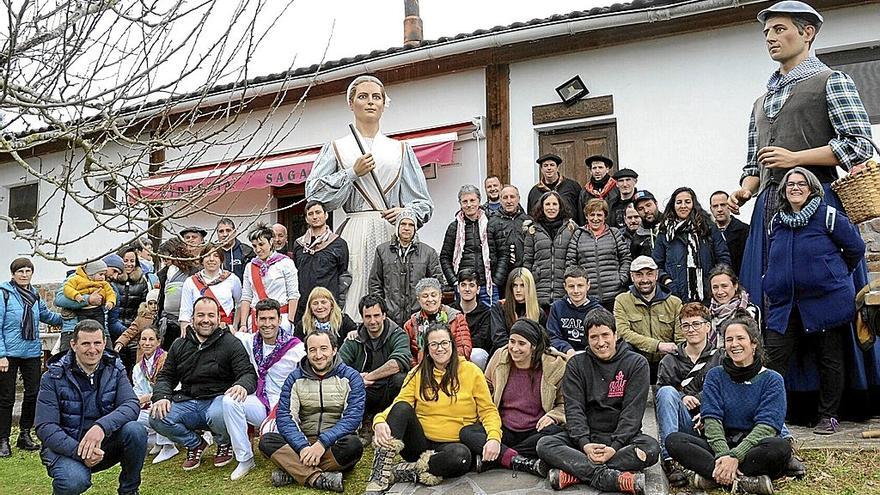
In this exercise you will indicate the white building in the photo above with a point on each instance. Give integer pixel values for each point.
(671, 85)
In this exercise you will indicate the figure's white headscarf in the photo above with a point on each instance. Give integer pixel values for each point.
(349, 93)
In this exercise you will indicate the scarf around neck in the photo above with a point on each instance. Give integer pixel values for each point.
(601, 189)
(460, 236)
(152, 372)
(684, 229)
(312, 245)
(742, 374)
(283, 343)
(424, 320)
(264, 265)
(721, 312)
(802, 218)
(28, 331)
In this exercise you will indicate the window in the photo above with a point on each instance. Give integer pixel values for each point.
(863, 65)
(23, 205)
(108, 198)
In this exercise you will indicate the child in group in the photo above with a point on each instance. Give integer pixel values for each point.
(88, 279)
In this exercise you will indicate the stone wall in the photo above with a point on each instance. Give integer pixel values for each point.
(870, 231)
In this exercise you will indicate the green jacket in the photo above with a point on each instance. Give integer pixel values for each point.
(646, 325)
(392, 344)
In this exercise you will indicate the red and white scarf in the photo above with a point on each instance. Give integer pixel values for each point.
(483, 223)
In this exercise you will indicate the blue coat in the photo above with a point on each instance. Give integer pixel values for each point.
(111, 318)
(65, 413)
(809, 269)
(11, 311)
(671, 258)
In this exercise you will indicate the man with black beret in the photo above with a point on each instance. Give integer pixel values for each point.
(550, 179)
(601, 184)
(626, 184)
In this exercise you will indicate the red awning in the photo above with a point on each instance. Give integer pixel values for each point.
(432, 146)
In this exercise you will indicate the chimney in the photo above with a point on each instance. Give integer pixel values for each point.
(412, 24)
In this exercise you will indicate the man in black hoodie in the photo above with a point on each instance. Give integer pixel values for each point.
(606, 390)
(208, 363)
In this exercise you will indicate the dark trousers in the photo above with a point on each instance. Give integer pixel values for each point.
(381, 394)
(451, 459)
(126, 446)
(128, 355)
(827, 347)
(523, 442)
(562, 452)
(769, 456)
(341, 456)
(30, 377)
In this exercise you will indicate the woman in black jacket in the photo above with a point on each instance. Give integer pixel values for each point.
(545, 244)
(521, 302)
(131, 288)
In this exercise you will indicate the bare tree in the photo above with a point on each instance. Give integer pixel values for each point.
(125, 89)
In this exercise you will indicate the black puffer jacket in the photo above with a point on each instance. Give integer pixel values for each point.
(471, 255)
(394, 277)
(131, 291)
(545, 258)
(505, 231)
(605, 259)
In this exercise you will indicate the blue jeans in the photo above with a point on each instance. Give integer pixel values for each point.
(184, 418)
(672, 415)
(127, 447)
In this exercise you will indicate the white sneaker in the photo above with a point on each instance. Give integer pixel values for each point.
(168, 451)
(243, 468)
(155, 449)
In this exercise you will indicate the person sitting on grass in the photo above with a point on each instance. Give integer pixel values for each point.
(742, 410)
(143, 377)
(525, 377)
(87, 416)
(441, 396)
(316, 420)
(606, 391)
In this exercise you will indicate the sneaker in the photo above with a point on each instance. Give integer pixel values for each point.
(757, 485)
(281, 478)
(223, 455)
(167, 452)
(155, 449)
(331, 481)
(242, 469)
(633, 483)
(697, 481)
(560, 480)
(827, 426)
(194, 457)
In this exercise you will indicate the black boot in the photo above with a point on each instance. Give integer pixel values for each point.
(26, 441)
(5, 450)
(529, 465)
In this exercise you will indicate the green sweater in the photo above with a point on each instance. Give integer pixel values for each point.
(392, 344)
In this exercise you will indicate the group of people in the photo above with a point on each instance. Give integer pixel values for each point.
(530, 341)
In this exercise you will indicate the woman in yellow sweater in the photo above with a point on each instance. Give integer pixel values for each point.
(442, 395)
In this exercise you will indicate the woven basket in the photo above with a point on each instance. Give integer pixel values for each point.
(860, 192)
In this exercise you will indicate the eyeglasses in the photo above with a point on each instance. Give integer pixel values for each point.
(799, 185)
(687, 327)
(436, 345)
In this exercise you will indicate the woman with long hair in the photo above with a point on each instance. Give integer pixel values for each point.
(270, 275)
(727, 297)
(324, 313)
(143, 377)
(521, 302)
(525, 377)
(688, 246)
(440, 397)
(178, 267)
(545, 243)
(131, 287)
(211, 281)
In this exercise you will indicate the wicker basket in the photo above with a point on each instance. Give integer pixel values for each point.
(860, 192)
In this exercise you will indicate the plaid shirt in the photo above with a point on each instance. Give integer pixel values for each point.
(845, 111)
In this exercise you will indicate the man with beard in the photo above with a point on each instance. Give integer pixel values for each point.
(506, 235)
(652, 217)
(208, 364)
(321, 259)
(492, 186)
(550, 179)
(235, 254)
(601, 185)
(734, 232)
(639, 242)
(320, 409)
(647, 315)
(626, 185)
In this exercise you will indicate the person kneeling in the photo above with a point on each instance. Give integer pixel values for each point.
(606, 391)
(442, 395)
(87, 416)
(526, 377)
(743, 410)
(317, 417)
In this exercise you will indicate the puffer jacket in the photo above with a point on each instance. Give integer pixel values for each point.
(65, 413)
(505, 231)
(328, 407)
(394, 278)
(545, 258)
(458, 326)
(552, 371)
(471, 252)
(605, 259)
(131, 291)
(12, 344)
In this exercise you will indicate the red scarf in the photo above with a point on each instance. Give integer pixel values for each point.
(601, 193)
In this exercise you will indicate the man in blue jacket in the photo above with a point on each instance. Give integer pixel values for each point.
(87, 416)
(319, 412)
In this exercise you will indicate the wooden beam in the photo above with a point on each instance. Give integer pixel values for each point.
(588, 107)
(498, 121)
(154, 229)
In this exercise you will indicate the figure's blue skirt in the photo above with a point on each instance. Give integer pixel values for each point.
(862, 368)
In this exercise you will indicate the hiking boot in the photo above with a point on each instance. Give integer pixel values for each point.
(827, 426)
(633, 483)
(529, 465)
(757, 485)
(365, 432)
(414, 472)
(380, 473)
(194, 456)
(5, 449)
(331, 481)
(26, 441)
(280, 477)
(223, 455)
(560, 480)
(697, 481)
(675, 473)
(795, 468)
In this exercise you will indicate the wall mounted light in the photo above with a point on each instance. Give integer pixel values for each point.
(572, 90)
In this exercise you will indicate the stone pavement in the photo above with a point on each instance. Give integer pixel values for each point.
(501, 481)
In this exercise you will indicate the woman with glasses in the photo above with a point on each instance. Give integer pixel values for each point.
(440, 397)
(813, 252)
(727, 297)
(680, 382)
